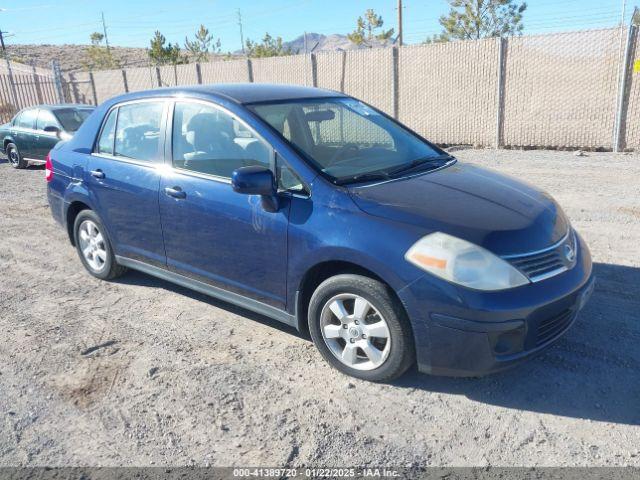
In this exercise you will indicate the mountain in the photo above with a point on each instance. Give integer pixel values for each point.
(73, 57)
(328, 43)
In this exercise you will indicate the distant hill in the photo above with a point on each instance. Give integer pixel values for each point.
(327, 42)
(73, 57)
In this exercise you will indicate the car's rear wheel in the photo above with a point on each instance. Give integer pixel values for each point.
(94, 247)
(14, 157)
(360, 328)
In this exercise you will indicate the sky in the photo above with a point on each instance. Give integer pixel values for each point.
(132, 22)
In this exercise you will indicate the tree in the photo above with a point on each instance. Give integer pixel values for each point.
(99, 57)
(161, 54)
(474, 19)
(203, 44)
(366, 29)
(270, 47)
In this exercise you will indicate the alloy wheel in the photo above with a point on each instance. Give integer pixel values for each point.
(355, 332)
(13, 156)
(92, 245)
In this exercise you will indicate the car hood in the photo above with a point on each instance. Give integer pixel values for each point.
(497, 212)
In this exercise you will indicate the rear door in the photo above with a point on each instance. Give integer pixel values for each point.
(123, 177)
(45, 141)
(25, 133)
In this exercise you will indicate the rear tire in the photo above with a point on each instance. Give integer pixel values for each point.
(360, 328)
(94, 247)
(14, 157)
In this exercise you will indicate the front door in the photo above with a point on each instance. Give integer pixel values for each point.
(212, 233)
(44, 140)
(123, 176)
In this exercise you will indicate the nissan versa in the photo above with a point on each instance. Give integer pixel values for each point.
(320, 211)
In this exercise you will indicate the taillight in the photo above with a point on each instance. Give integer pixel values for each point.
(48, 168)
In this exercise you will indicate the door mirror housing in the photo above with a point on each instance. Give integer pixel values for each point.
(256, 180)
(52, 129)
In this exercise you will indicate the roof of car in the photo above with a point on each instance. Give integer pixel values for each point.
(243, 92)
(53, 106)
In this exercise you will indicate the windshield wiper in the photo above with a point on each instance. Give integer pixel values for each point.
(363, 177)
(435, 162)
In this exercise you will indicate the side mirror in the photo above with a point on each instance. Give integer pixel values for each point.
(52, 129)
(256, 180)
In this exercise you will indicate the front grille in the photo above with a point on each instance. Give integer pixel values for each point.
(550, 328)
(548, 262)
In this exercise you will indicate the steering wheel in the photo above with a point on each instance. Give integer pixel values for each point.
(347, 147)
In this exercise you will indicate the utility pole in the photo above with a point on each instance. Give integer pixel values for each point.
(104, 29)
(14, 94)
(399, 39)
(241, 35)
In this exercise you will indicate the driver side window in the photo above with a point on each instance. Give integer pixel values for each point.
(208, 140)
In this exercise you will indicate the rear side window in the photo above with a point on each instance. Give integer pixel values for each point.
(27, 119)
(105, 142)
(138, 131)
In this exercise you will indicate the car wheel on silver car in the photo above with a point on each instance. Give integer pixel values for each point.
(94, 248)
(360, 328)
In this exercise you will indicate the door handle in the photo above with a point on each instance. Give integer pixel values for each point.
(97, 173)
(175, 192)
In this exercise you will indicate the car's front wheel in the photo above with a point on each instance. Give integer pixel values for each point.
(94, 247)
(14, 157)
(360, 328)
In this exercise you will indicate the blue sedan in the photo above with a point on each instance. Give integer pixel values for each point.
(318, 210)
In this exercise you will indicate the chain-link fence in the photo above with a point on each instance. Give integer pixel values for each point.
(566, 90)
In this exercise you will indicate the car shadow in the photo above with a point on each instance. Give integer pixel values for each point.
(134, 277)
(593, 372)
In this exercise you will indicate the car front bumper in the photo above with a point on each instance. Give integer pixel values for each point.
(462, 332)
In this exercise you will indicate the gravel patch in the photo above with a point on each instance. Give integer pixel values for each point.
(140, 372)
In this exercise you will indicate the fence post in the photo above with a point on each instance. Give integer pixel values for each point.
(502, 51)
(36, 82)
(12, 83)
(622, 106)
(93, 88)
(199, 74)
(343, 70)
(395, 85)
(175, 75)
(125, 82)
(158, 76)
(249, 70)
(74, 88)
(57, 79)
(314, 70)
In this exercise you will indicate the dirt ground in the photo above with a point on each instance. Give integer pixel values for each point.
(139, 372)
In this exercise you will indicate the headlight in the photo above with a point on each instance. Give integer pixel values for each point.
(464, 263)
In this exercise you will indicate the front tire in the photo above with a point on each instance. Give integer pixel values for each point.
(14, 157)
(94, 247)
(360, 328)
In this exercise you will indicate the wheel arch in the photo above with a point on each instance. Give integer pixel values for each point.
(74, 208)
(320, 272)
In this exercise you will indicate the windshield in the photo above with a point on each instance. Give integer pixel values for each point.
(72, 118)
(348, 140)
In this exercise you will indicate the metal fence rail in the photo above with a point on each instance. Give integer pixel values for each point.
(567, 90)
